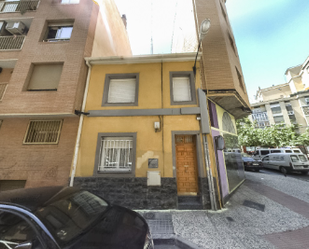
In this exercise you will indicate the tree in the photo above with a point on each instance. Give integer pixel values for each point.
(278, 135)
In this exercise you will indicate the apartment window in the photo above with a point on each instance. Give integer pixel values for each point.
(241, 83)
(1, 123)
(58, 32)
(116, 153)
(45, 77)
(120, 90)
(182, 88)
(278, 119)
(43, 132)
(2, 90)
(223, 12)
(69, 1)
(232, 43)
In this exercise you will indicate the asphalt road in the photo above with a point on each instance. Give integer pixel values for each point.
(294, 175)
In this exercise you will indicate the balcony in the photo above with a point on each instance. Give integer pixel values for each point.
(18, 6)
(11, 42)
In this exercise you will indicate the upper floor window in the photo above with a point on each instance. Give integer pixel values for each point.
(58, 32)
(120, 89)
(2, 90)
(182, 88)
(43, 132)
(240, 79)
(69, 1)
(45, 77)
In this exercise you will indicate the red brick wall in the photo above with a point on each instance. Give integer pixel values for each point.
(219, 58)
(40, 165)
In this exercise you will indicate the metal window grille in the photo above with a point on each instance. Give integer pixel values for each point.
(43, 132)
(18, 6)
(11, 42)
(116, 154)
(2, 90)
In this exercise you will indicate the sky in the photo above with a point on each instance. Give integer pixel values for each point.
(270, 35)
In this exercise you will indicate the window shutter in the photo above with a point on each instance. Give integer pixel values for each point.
(181, 89)
(45, 77)
(121, 91)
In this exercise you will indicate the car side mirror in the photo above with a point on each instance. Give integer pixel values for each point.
(26, 245)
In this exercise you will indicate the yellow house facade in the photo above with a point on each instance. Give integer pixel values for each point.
(145, 137)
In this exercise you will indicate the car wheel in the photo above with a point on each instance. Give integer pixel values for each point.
(304, 173)
(283, 170)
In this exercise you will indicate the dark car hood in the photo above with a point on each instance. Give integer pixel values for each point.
(119, 228)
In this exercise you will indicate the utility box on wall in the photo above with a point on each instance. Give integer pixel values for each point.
(153, 178)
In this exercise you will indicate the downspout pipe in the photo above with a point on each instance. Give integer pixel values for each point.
(80, 126)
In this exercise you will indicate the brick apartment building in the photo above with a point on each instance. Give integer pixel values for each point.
(42, 79)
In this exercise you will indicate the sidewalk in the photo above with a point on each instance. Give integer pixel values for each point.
(267, 211)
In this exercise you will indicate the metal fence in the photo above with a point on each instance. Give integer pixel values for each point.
(11, 42)
(18, 6)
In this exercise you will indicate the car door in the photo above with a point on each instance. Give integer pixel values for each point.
(265, 161)
(17, 231)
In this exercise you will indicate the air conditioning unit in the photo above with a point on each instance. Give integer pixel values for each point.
(16, 28)
(291, 112)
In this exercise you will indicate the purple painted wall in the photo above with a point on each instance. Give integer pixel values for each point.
(221, 168)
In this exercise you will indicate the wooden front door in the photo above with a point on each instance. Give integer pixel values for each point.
(186, 166)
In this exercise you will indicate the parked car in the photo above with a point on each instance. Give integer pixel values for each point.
(260, 153)
(293, 162)
(250, 163)
(57, 217)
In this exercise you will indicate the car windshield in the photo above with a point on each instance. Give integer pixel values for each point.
(245, 155)
(294, 158)
(302, 158)
(70, 216)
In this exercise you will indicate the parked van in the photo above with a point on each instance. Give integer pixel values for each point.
(260, 153)
(287, 162)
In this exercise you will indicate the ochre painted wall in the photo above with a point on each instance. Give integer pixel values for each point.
(150, 144)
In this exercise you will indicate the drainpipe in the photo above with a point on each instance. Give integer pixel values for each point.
(80, 126)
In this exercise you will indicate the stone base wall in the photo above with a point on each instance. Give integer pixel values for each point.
(132, 192)
(204, 192)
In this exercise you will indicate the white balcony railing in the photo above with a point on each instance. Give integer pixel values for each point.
(11, 42)
(18, 6)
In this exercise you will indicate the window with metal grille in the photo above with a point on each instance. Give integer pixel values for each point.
(43, 132)
(116, 154)
(2, 90)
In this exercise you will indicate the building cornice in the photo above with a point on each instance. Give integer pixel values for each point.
(156, 58)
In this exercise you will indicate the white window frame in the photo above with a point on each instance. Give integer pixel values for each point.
(109, 78)
(118, 147)
(70, 1)
(60, 28)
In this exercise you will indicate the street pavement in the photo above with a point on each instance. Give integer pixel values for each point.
(267, 211)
